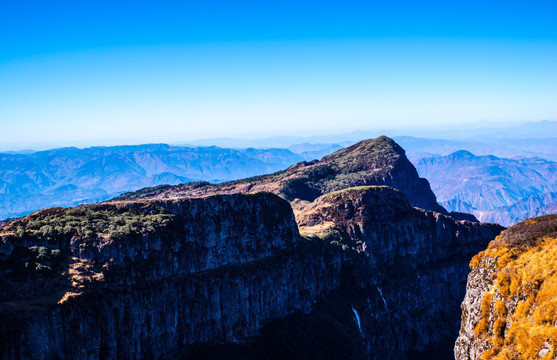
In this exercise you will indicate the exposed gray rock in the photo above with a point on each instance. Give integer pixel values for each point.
(480, 282)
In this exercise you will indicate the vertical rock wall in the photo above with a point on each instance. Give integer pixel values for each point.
(413, 267)
(217, 272)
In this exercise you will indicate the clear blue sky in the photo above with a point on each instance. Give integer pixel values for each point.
(93, 72)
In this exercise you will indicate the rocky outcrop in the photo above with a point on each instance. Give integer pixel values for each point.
(199, 270)
(383, 219)
(139, 279)
(510, 308)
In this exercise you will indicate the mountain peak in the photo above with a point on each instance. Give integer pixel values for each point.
(368, 148)
(377, 158)
(379, 161)
(462, 154)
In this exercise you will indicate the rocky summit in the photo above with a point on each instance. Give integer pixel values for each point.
(379, 161)
(349, 268)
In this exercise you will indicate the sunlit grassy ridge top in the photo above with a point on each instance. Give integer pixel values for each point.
(357, 190)
(380, 153)
(519, 314)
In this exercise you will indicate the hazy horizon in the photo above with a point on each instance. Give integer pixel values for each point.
(480, 131)
(110, 73)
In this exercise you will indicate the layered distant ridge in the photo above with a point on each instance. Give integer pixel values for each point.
(493, 189)
(71, 176)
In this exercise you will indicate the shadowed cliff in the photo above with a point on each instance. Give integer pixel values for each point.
(136, 280)
(402, 281)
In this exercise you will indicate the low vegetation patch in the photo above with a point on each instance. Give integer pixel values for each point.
(41, 240)
(114, 221)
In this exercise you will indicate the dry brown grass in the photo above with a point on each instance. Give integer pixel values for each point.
(527, 277)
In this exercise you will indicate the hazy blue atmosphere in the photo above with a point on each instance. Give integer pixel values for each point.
(364, 180)
(99, 73)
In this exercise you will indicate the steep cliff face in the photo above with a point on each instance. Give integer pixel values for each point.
(411, 266)
(138, 279)
(369, 277)
(379, 161)
(382, 161)
(510, 308)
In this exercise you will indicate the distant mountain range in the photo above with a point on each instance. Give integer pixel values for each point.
(316, 151)
(493, 189)
(71, 176)
(418, 148)
(30, 181)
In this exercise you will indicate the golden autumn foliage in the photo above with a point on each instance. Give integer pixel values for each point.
(519, 314)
